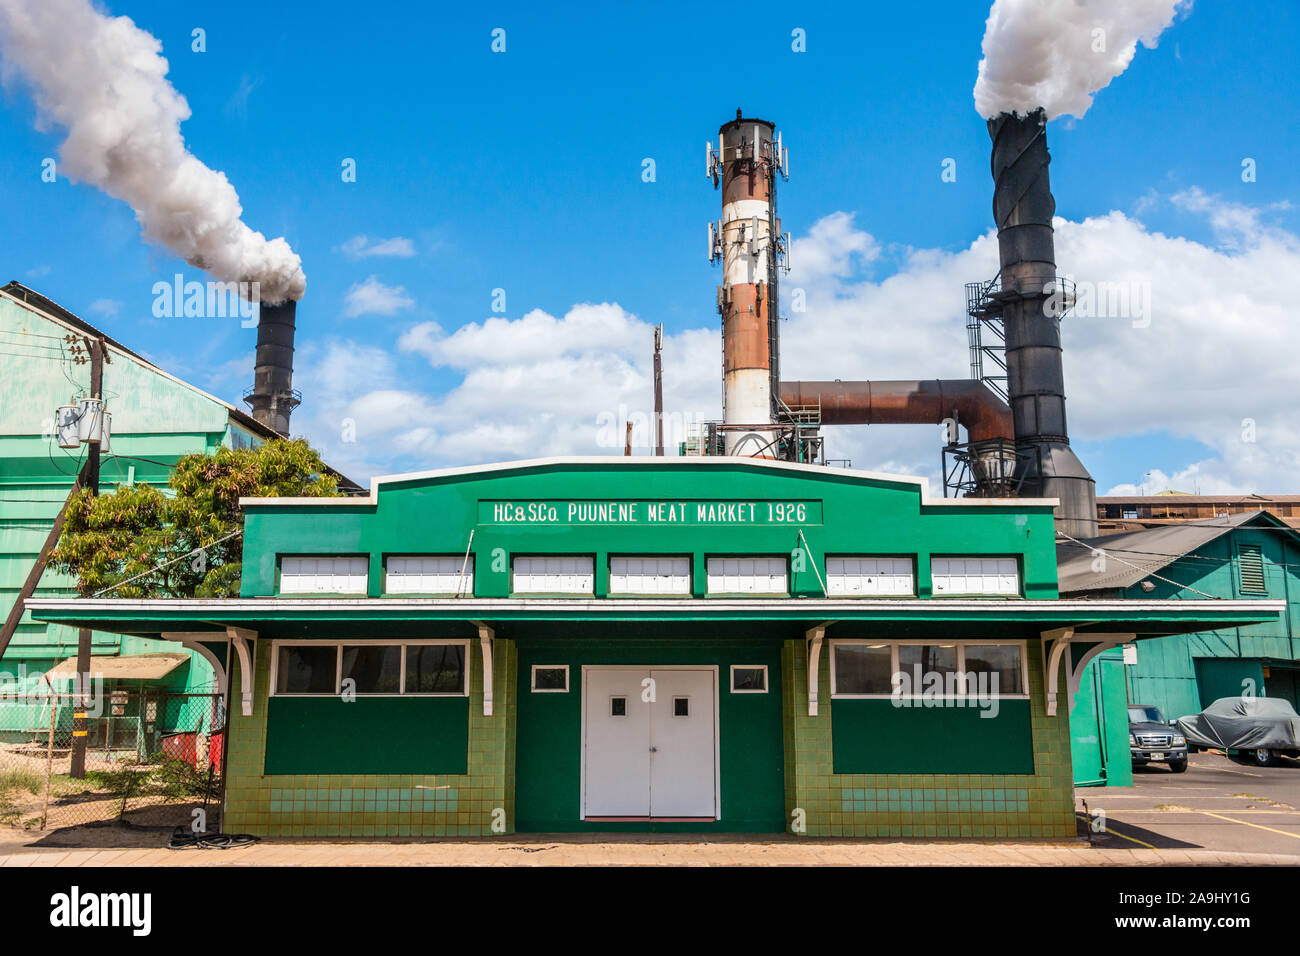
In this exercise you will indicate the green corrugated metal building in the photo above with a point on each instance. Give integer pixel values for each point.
(651, 644)
(1246, 556)
(157, 418)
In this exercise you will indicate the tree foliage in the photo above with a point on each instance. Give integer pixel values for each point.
(112, 538)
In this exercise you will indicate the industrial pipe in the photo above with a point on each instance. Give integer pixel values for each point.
(273, 399)
(1030, 304)
(967, 401)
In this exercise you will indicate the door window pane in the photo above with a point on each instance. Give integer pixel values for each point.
(435, 669)
(753, 679)
(306, 670)
(863, 669)
(1000, 666)
(550, 678)
(931, 658)
(376, 668)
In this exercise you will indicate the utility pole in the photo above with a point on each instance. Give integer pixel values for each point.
(77, 769)
(659, 390)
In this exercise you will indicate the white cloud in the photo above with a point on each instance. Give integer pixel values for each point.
(372, 297)
(1235, 225)
(832, 250)
(363, 247)
(1212, 352)
(516, 398)
(109, 308)
(584, 331)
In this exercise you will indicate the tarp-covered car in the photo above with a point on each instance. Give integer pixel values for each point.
(1267, 726)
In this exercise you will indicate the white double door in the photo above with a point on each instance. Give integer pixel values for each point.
(650, 742)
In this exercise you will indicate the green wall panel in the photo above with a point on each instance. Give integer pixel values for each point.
(549, 728)
(1227, 677)
(1099, 725)
(369, 735)
(876, 736)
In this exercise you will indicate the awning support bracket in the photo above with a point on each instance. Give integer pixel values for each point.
(1060, 641)
(814, 637)
(244, 641)
(486, 637)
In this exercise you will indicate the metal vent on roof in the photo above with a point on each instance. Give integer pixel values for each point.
(1250, 562)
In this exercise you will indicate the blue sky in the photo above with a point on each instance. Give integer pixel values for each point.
(523, 171)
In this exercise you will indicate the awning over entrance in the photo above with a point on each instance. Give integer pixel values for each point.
(129, 667)
(1090, 626)
(1154, 618)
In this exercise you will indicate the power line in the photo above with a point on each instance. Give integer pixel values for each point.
(159, 567)
(1136, 567)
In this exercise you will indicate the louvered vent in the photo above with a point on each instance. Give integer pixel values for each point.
(1251, 563)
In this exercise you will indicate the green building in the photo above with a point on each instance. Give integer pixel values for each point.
(650, 644)
(157, 418)
(1247, 556)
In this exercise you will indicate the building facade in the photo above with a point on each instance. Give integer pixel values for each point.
(691, 644)
(1118, 514)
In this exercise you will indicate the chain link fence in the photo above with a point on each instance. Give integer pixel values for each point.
(151, 759)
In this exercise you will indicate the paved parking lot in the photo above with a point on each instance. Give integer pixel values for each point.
(1221, 803)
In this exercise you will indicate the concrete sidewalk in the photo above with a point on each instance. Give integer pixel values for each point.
(642, 851)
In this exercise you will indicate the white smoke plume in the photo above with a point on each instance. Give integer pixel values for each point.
(104, 81)
(1057, 53)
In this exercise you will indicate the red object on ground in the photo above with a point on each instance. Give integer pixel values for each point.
(185, 746)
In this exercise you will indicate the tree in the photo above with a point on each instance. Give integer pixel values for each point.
(184, 543)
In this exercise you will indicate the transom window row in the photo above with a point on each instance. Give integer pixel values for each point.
(653, 575)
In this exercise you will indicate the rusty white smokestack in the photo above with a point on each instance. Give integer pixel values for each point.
(1031, 301)
(273, 398)
(745, 165)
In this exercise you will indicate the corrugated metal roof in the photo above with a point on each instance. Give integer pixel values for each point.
(47, 305)
(127, 667)
(1135, 555)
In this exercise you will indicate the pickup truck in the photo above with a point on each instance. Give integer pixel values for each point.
(1151, 739)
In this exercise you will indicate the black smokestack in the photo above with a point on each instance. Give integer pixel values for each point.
(1031, 307)
(273, 398)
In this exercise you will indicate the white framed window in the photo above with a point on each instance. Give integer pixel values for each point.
(328, 668)
(652, 574)
(975, 575)
(749, 678)
(937, 668)
(748, 575)
(428, 574)
(850, 576)
(300, 574)
(554, 574)
(550, 679)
